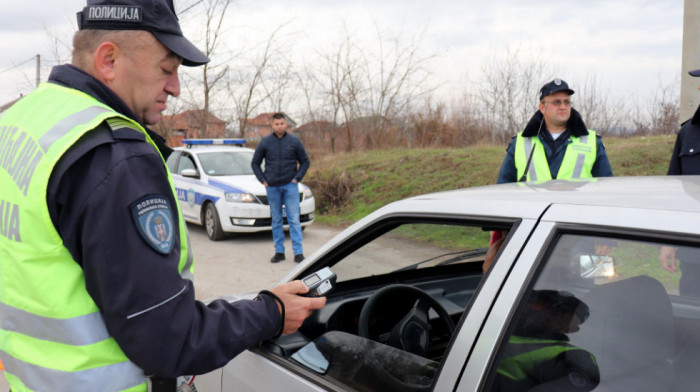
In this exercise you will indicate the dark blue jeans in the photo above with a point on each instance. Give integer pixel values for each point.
(289, 196)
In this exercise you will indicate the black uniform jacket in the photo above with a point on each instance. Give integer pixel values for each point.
(148, 308)
(686, 153)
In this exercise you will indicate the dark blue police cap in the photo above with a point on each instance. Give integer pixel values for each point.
(156, 16)
(695, 72)
(554, 86)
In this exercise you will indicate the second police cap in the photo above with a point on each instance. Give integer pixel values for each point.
(156, 16)
(554, 86)
(695, 72)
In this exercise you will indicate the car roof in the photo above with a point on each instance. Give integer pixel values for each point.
(679, 193)
(515, 201)
(214, 148)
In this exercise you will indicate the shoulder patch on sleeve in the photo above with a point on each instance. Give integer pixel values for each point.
(122, 129)
(154, 220)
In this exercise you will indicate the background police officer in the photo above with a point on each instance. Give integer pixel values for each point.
(96, 289)
(555, 143)
(685, 160)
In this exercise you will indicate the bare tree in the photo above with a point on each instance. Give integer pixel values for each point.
(509, 93)
(369, 87)
(245, 86)
(666, 109)
(335, 79)
(397, 74)
(213, 72)
(599, 109)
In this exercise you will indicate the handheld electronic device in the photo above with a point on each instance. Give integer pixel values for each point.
(320, 283)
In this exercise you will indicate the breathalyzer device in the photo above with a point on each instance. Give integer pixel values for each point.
(319, 283)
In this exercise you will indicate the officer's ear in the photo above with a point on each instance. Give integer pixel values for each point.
(541, 107)
(105, 61)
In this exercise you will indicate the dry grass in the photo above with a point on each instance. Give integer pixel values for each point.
(348, 186)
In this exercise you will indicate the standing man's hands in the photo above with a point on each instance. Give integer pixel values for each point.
(297, 308)
(668, 254)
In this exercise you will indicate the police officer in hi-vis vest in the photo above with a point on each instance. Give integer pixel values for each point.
(96, 288)
(555, 144)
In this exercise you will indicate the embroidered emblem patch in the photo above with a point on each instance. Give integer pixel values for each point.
(153, 218)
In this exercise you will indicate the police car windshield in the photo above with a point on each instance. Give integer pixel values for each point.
(226, 163)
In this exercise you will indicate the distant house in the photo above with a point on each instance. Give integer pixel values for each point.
(189, 125)
(261, 126)
(319, 135)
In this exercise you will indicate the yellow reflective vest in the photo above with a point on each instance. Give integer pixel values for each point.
(578, 159)
(52, 336)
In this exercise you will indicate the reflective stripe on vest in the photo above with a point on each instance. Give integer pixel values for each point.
(578, 160)
(52, 336)
(527, 353)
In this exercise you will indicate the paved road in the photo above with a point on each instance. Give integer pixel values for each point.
(241, 264)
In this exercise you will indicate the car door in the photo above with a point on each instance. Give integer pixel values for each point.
(627, 329)
(264, 370)
(187, 187)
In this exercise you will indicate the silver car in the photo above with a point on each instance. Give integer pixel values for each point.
(577, 297)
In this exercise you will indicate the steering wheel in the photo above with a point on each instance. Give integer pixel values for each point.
(412, 332)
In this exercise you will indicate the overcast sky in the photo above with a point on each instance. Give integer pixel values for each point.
(630, 46)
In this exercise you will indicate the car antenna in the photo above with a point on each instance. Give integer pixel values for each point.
(529, 159)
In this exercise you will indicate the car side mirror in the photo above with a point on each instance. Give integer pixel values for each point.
(597, 266)
(192, 173)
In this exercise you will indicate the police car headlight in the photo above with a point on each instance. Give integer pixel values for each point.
(308, 194)
(240, 198)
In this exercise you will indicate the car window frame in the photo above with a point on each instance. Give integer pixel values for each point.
(518, 234)
(520, 280)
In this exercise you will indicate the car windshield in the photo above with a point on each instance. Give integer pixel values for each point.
(226, 163)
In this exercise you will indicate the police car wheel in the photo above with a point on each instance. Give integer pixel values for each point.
(212, 223)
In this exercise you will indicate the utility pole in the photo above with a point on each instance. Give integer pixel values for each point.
(690, 96)
(38, 69)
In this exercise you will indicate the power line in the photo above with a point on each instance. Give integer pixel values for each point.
(33, 58)
(190, 7)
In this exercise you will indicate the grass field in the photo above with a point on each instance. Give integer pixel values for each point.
(348, 186)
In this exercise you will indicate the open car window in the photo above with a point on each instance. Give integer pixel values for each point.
(402, 287)
(415, 246)
(604, 314)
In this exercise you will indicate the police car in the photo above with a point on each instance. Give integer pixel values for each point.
(216, 188)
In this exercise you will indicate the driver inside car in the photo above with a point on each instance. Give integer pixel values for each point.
(538, 355)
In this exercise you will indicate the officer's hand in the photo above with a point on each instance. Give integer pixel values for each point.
(296, 308)
(666, 254)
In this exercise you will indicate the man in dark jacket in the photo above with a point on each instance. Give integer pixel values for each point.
(286, 163)
(555, 143)
(685, 160)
